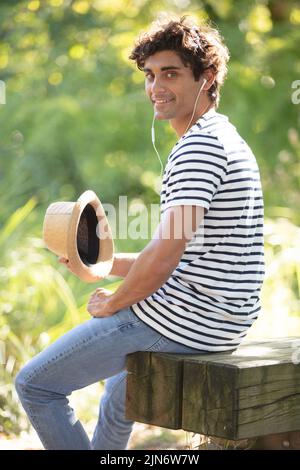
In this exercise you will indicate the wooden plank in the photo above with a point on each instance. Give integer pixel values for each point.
(154, 389)
(252, 392)
(138, 391)
(208, 398)
(272, 405)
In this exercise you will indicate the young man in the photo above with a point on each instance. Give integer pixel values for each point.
(197, 292)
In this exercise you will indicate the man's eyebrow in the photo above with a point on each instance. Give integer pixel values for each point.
(167, 67)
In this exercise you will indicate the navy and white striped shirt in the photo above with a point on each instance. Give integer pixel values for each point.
(212, 297)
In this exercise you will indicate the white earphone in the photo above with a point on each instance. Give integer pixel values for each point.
(204, 81)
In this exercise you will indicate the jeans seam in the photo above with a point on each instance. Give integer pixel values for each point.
(133, 323)
(36, 425)
(114, 389)
(156, 342)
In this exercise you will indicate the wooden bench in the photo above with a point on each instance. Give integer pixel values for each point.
(253, 392)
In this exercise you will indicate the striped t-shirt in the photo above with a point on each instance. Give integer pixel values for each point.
(212, 297)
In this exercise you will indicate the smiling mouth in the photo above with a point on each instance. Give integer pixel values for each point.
(162, 101)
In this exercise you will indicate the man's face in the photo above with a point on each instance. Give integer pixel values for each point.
(171, 86)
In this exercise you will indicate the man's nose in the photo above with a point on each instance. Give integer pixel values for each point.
(157, 86)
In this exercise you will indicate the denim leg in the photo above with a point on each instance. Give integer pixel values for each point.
(91, 352)
(113, 429)
(52, 417)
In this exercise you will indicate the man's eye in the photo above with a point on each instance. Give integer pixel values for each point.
(171, 74)
(148, 76)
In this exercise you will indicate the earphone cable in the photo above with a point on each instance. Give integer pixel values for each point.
(154, 146)
(195, 105)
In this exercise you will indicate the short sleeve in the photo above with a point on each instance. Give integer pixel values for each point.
(194, 173)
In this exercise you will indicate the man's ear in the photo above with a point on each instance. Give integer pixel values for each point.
(209, 76)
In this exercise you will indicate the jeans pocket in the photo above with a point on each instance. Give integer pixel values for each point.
(125, 317)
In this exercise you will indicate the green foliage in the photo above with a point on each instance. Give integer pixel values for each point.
(281, 289)
(76, 118)
(37, 305)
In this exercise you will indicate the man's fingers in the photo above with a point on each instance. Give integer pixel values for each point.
(93, 302)
(91, 309)
(94, 298)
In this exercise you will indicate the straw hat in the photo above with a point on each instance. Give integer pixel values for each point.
(80, 232)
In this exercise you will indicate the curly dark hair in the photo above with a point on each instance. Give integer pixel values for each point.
(201, 47)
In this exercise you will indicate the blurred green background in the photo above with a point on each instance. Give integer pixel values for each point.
(76, 118)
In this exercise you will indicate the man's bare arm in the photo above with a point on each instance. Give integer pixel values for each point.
(122, 263)
(158, 260)
(121, 266)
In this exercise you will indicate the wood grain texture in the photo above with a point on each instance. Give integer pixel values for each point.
(154, 389)
(253, 391)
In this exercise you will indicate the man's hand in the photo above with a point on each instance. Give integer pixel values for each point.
(99, 305)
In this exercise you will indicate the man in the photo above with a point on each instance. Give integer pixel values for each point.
(196, 292)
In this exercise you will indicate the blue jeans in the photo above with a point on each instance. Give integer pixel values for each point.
(90, 352)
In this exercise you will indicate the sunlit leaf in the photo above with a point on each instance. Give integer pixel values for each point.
(16, 219)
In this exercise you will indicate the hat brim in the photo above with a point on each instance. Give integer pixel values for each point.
(104, 262)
